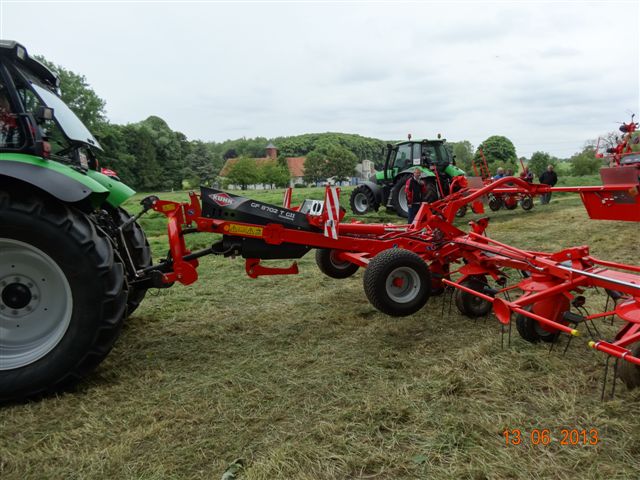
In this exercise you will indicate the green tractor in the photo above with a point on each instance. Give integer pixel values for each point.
(430, 156)
(69, 253)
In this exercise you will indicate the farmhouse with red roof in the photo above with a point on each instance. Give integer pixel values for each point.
(294, 164)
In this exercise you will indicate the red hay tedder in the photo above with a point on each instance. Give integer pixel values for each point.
(406, 264)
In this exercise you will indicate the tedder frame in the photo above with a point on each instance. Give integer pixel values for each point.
(406, 264)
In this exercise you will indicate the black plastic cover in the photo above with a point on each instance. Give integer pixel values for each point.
(227, 206)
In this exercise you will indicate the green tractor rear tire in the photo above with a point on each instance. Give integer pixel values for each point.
(399, 196)
(63, 295)
(362, 200)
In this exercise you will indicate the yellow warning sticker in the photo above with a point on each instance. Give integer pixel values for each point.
(169, 207)
(245, 230)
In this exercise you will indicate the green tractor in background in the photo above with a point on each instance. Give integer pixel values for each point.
(430, 156)
(69, 253)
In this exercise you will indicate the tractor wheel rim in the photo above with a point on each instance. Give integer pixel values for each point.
(337, 263)
(361, 202)
(403, 285)
(35, 304)
(402, 200)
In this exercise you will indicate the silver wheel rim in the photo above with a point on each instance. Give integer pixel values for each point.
(338, 264)
(403, 285)
(361, 202)
(402, 200)
(35, 304)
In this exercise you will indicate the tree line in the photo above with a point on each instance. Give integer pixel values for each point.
(149, 155)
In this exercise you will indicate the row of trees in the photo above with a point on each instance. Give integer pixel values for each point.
(149, 155)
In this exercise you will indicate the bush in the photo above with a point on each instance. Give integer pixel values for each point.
(585, 162)
(539, 162)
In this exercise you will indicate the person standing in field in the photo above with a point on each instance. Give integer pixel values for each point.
(415, 188)
(499, 174)
(549, 177)
(526, 175)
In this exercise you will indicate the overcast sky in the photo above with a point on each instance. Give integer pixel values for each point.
(548, 75)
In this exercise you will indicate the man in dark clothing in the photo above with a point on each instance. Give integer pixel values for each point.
(415, 188)
(548, 178)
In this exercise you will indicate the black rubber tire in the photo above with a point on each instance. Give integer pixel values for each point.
(140, 251)
(370, 198)
(470, 305)
(396, 191)
(328, 265)
(495, 203)
(530, 330)
(630, 372)
(526, 203)
(98, 287)
(432, 191)
(378, 272)
(462, 211)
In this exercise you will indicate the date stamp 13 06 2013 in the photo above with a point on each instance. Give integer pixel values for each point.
(547, 436)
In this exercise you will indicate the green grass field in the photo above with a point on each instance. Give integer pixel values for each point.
(301, 378)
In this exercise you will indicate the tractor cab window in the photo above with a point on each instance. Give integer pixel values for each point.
(417, 154)
(11, 132)
(49, 128)
(445, 154)
(403, 157)
(431, 156)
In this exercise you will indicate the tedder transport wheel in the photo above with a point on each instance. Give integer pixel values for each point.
(630, 372)
(397, 282)
(399, 196)
(140, 252)
(467, 303)
(532, 331)
(362, 200)
(495, 203)
(462, 211)
(526, 203)
(331, 266)
(62, 296)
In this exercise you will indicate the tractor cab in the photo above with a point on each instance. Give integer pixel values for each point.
(33, 118)
(404, 156)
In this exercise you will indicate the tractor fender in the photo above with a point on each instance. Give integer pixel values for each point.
(426, 172)
(454, 171)
(63, 182)
(375, 189)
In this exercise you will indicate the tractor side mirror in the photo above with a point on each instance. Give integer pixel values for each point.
(43, 114)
